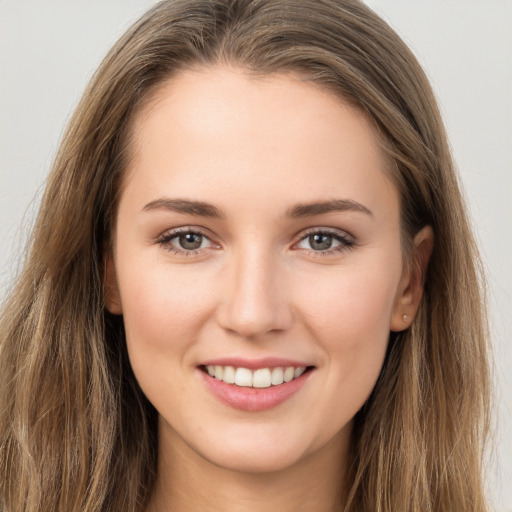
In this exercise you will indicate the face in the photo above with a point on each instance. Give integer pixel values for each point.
(258, 266)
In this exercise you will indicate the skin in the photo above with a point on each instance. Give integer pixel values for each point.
(254, 148)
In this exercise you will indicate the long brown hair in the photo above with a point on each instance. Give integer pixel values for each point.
(76, 432)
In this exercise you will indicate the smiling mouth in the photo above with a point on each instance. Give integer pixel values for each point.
(260, 378)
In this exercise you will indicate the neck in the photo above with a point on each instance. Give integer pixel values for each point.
(188, 482)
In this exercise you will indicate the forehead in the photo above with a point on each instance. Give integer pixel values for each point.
(220, 129)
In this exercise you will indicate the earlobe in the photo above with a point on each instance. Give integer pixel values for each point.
(410, 290)
(111, 289)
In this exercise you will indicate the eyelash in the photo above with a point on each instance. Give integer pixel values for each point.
(345, 241)
(166, 238)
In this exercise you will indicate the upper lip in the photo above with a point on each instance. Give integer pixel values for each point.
(256, 363)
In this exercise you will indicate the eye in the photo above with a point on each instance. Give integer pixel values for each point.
(185, 241)
(190, 241)
(322, 241)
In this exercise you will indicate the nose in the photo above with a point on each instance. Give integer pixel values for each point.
(255, 297)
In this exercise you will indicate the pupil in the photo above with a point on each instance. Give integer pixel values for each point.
(320, 242)
(190, 241)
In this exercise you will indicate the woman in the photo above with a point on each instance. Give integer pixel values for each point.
(252, 283)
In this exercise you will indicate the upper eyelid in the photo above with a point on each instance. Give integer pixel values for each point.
(324, 230)
(172, 232)
(347, 241)
(164, 240)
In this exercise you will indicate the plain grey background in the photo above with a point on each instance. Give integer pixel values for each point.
(50, 48)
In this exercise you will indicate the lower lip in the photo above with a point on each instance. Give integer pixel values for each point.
(253, 399)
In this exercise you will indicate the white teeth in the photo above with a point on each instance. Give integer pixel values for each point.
(243, 377)
(261, 378)
(277, 376)
(289, 373)
(229, 375)
(298, 372)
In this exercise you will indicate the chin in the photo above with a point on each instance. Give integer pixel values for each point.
(254, 464)
(252, 456)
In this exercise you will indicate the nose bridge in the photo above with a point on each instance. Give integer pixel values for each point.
(255, 301)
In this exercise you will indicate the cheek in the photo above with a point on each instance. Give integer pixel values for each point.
(350, 319)
(163, 311)
(159, 296)
(164, 308)
(352, 305)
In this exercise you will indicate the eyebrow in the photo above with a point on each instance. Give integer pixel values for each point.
(186, 206)
(202, 209)
(334, 205)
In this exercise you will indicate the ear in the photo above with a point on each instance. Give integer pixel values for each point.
(410, 289)
(110, 287)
